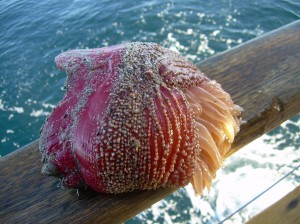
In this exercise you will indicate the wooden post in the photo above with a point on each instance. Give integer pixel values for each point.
(286, 210)
(262, 75)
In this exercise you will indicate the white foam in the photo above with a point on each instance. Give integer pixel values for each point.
(14, 108)
(48, 105)
(38, 113)
(215, 33)
(17, 109)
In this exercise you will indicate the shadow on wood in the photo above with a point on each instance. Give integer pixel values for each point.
(262, 76)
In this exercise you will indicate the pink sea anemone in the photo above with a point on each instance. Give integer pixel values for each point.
(137, 116)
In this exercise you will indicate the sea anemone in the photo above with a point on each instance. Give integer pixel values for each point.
(137, 116)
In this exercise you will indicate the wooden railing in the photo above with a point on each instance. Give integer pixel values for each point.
(262, 76)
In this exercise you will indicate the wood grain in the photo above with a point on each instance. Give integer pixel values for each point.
(263, 76)
(285, 211)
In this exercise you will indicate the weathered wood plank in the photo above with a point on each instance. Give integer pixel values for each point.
(286, 210)
(263, 76)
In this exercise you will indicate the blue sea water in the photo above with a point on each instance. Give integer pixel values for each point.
(33, 32)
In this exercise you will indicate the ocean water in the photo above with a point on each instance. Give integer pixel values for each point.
(34, 32)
